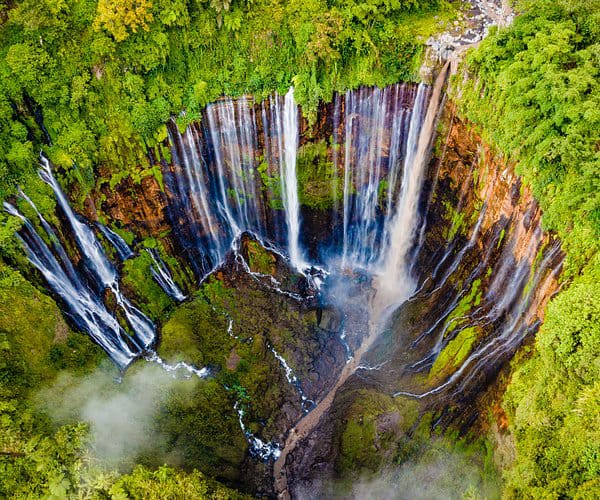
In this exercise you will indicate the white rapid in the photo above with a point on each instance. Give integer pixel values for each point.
(181, 369)
(293, 380)
(257, 447)
(163, 277)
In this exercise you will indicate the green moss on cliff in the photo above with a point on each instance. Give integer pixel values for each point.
(317, 186)
(197, 330)
(373, 425)
(36, 341)
(260, 260)
(137, 278)
(272, 185)
(472, 299)
(127, 236)
(452, 356)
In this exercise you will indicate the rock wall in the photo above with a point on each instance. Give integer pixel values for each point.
(486, 271)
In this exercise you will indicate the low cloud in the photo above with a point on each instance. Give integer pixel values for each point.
(122, 414)
(438, 473)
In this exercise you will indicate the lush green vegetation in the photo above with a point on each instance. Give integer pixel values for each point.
(101, 78)
(373, 425)
(535, 93)
(317, 182)
(107, 75)
(39, 459)
(553, 400)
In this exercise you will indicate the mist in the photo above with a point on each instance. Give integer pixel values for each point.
(122, 414)
(438, 472)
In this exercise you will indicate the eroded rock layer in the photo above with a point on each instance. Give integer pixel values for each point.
(274, 236)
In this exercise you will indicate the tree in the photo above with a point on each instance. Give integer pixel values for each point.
(121, 17)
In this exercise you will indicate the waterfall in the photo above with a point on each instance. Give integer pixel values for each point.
(90, 247)
(227, 160)
(289, 180)
(238, 172)
(379, 135)
(122, 248)
(511, 309)
(215, 186)
(163, 277)
(82, 290)
(98, 264)
(82, 303)
(190, 209)
(395, 283)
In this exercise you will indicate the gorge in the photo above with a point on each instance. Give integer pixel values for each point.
(381, 198)
(334, 288)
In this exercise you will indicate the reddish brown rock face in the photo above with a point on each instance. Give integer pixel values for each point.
(484, 267)
(139, 208)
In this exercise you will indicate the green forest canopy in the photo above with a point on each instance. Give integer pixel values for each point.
(107, 75)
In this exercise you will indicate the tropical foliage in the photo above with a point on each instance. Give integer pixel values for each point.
(534, 90)
(105, 76)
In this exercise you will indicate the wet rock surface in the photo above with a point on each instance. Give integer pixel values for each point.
(480, 223)
(265, 331)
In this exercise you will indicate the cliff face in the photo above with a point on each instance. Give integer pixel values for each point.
(483, 267)
(137, 206)
(486, 271)
(486, 266)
